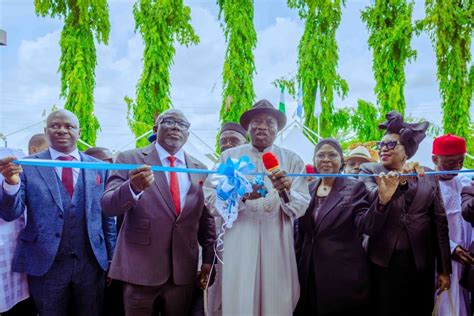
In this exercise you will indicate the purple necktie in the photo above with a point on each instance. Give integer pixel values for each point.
(66, 176)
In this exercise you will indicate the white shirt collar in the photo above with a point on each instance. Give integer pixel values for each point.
(163, 154)
(55, 154)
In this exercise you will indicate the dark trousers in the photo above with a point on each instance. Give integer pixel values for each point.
(401, 289)
(70, 284)
(166, 300)
(113, 299)
(23, 308)
(197, 305)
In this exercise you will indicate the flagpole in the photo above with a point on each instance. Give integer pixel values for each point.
(319, 127)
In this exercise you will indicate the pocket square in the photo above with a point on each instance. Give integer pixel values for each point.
(98, 180)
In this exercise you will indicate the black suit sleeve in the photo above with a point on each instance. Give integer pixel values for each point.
(207, 235)
(467, 196)
(368, 219)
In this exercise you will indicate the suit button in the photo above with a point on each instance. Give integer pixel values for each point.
(60, 215)
(57, 235)
(176, 225)
(72, 254)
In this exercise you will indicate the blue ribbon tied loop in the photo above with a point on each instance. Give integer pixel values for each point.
(231, 187)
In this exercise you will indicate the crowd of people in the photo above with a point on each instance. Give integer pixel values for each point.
(376, 236)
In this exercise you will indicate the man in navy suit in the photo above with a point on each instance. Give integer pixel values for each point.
(67, 243)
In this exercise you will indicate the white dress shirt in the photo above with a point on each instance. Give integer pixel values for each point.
(13, 189)
(183, 177)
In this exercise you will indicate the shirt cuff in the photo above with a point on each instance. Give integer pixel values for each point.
(136, 197)
(11, 189)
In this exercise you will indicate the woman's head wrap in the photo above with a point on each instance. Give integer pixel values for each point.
(411, 134)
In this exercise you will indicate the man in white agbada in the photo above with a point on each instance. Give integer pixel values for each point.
(259, 271)
(448, 154)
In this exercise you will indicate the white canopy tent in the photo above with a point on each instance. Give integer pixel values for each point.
(293, 138)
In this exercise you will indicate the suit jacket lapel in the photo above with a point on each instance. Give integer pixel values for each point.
(50, 179)
(150, 157)
(194, 179)
(89, 180)
(333, 198)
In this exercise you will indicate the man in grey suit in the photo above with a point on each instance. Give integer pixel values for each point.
(165, 217)
(67, 243)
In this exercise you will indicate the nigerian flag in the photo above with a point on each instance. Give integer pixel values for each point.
(281, 105)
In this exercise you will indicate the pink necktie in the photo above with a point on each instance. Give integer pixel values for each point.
(174, 186)
(66, 176)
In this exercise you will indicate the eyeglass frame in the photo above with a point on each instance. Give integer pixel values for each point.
(381, 144)
(182, 125)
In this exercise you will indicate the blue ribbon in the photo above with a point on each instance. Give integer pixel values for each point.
(119, 166)
(231, 187)
(101, 165)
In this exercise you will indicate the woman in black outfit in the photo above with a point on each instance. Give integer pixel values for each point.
(332, 265)
(411, 233)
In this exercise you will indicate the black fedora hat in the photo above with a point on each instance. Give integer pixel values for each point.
(262, 106)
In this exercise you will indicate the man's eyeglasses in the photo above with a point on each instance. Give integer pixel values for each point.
(390, 144)
(170, 123)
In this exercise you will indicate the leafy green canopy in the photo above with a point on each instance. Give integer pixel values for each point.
(84, 21)
(317, 62)
(450, 25)
(239, 68)
(390, 27)
(160, 23)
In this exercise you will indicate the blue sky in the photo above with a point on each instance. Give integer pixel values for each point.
(29, 82)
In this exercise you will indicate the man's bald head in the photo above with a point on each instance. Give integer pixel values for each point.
(37, 143)
(63, 113)
(62, 130)
(173, 113)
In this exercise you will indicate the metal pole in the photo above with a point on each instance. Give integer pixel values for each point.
(319, 127)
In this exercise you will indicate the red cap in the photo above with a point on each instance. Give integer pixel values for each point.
(310, 168)
(448, 145)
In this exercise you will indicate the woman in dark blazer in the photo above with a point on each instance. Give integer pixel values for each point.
(411, 233)
(332, 265)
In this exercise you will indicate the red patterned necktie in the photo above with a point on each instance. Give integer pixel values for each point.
(174, 186)
(66, 176)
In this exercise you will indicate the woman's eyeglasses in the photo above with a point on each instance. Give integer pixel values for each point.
(390, 144)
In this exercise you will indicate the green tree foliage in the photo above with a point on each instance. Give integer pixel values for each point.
(239, 68)
(365, 120)
(391, 29)
(160, 23)
(450, 25)
(317, 61)
(84, 21)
